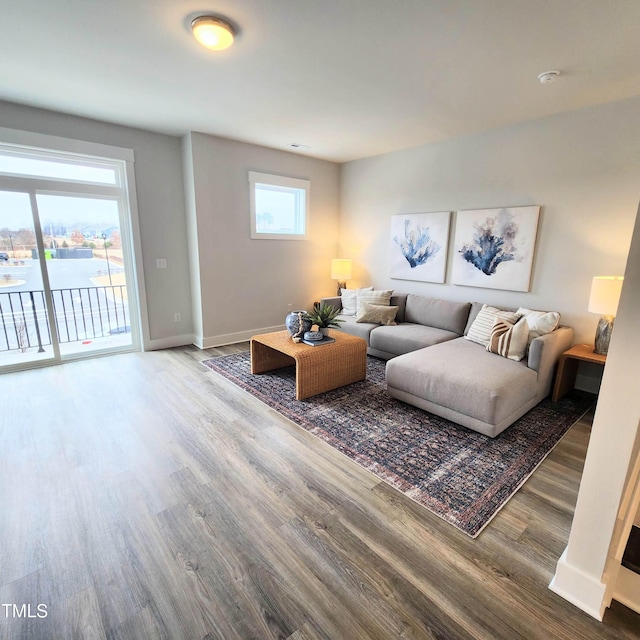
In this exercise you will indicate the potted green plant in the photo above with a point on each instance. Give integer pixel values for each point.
(324, 316)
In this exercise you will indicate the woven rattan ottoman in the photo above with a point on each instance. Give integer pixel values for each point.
(318, 369)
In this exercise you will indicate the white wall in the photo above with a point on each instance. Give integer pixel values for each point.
(161, 209)
(583, 168)
(246, 285)
(580, 576)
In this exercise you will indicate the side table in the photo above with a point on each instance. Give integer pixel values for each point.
(568, 367)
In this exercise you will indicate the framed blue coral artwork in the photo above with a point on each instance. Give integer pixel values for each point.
(419, 246)
(493, 248)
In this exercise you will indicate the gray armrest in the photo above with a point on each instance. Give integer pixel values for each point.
(335, 301)
(544, 353)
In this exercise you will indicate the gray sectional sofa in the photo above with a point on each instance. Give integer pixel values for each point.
(430, 364)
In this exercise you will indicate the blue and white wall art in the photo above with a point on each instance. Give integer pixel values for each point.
(493, 248)
(419, 246)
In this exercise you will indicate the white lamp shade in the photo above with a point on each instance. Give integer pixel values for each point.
(605, 295)
(340, 269)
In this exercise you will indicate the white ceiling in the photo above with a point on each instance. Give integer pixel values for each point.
(348, 78)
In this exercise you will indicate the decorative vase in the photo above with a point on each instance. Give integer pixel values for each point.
(325, 331)
(293, 323)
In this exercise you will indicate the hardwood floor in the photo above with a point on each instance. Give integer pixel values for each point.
(144, 496)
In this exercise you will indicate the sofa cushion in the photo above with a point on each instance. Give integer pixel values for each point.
(463, 376)
(352, 327)
(480, 330)
(408, 337)
(509, 340)
(376, 313)
(433, 312)
(399, 300)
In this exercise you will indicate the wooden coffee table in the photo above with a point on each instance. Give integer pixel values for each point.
(318, 369)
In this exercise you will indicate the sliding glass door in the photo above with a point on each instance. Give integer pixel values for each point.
(66, 263)
(25, 328)
(87, 275)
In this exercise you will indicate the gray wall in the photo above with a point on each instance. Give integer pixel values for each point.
(161, 209)
(225, 285)
(582, 167)
(242, 285)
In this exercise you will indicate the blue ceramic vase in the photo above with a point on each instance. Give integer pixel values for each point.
(293, 324)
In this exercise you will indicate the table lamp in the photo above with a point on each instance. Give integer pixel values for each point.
(605, 294)
(341, 271)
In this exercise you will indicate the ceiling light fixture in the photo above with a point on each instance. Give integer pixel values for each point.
(213, 33)
(547, 77)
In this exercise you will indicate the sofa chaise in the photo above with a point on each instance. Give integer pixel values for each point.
(434, 363)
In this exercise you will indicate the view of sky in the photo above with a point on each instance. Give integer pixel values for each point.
(280, 203)
(21, 165)
(15, 208)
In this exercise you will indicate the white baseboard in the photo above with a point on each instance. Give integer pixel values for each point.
(579, 588)
(168, 343)
(233, 338)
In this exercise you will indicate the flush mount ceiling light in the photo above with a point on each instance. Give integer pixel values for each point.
(548, 76)
(213, 33)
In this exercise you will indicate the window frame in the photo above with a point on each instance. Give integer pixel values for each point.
(283, 182)
(124, 190)
(64, 159)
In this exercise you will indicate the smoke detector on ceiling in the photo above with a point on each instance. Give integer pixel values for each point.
(547, 77)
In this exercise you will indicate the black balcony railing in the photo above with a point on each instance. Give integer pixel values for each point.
(81, 313)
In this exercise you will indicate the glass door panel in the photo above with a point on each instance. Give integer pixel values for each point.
(86, 267)
(25, 334)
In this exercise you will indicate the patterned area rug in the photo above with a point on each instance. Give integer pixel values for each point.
(458, 474)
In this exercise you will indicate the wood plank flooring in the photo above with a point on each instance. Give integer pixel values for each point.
(143, 496)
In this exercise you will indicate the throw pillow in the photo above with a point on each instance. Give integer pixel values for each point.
(480, 330)
(376, 313)
(540, 322)
(509, 340)
(373, 297)
(349, 300)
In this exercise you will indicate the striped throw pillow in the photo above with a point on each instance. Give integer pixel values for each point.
(509, 340)
(480, 329)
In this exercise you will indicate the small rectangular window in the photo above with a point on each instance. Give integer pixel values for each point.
(279, 206)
